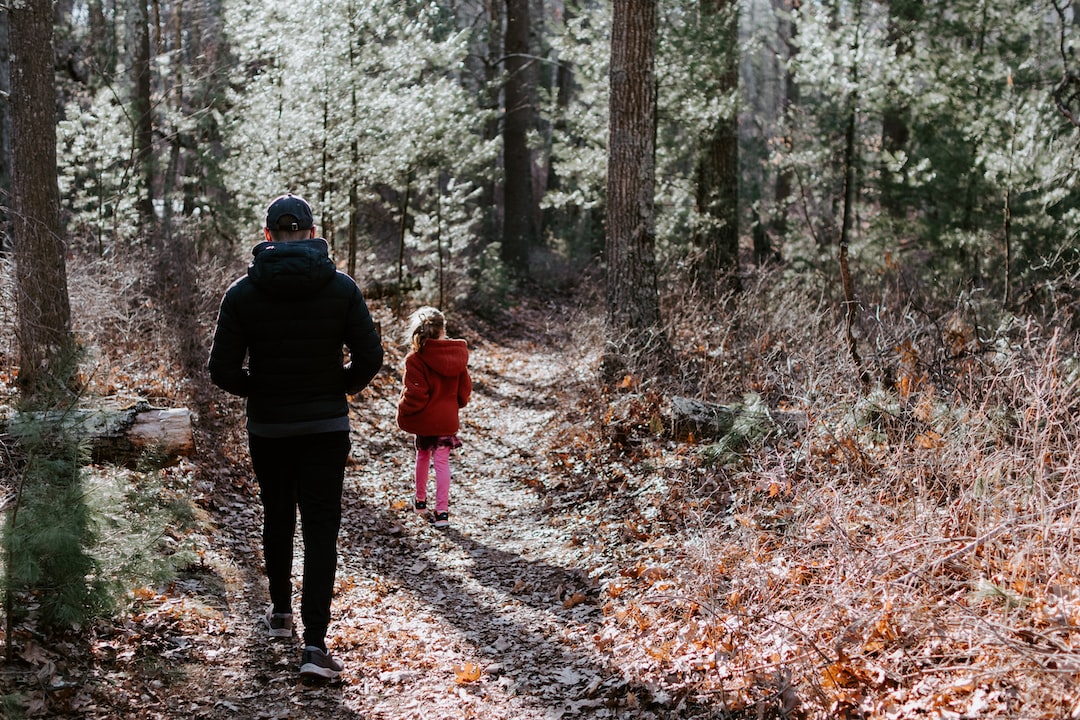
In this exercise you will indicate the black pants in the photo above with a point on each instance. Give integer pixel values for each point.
(305, 471)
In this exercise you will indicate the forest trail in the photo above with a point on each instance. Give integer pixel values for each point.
(496, 617)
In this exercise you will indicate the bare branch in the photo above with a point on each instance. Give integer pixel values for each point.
(1067, 92)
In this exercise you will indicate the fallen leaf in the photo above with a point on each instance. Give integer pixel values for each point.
(465, 673)
(655, 573)
(34, 654)
(574, 600)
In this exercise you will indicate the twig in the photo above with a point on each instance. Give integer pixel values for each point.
(658, 599)
(985, 538)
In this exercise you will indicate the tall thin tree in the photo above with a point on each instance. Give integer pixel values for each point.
(1067, 91)
(518, 225)
(142, 111)
(717, 174)
(850, 195)
(634, 327)
(785, 176)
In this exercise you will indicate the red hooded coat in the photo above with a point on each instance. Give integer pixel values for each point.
(437, 384)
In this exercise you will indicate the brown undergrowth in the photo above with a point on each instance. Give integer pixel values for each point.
(909, 551)
(903, 549)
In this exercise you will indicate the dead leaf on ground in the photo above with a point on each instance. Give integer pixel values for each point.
(465, 673)
(574, 600)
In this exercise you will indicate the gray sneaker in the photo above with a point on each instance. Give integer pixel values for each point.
(277, 624)
(318, 664)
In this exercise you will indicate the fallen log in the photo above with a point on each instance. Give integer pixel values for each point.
(130, 434)
(697, 420)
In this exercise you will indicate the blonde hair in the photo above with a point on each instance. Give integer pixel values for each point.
(425, 324)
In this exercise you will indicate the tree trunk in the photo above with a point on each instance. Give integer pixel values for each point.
(1067, 91)
(850, 194)
(5, 131)
(402, 231)
(354, 151)
(717, 175)
(46, 343)
(633, 305)
(517, 162)
(785, 178)
(142, 114)
(124, 434)
(493, 203)
(103, 53)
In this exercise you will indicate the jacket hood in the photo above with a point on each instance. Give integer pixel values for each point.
(447, 357)
(297, 268)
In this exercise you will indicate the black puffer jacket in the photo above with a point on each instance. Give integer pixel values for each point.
(290, 317)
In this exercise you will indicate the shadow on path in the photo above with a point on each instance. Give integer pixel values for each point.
(546, 650)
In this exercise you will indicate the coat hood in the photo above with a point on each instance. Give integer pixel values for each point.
(447, 357)
(297, 268)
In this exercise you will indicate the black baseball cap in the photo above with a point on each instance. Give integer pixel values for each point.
(289, 212)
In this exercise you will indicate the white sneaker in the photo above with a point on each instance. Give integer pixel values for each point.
(316, 663)
(277, 624)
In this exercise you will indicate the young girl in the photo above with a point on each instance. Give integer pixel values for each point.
(437, 384)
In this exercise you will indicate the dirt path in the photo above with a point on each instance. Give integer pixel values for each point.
(429, 610)
(497, 617)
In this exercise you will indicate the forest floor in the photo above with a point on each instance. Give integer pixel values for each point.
(501, 616)
(806, 564)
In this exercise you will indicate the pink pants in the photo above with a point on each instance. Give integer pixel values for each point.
(441, 456)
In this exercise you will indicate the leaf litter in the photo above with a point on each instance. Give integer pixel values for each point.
(593, 568)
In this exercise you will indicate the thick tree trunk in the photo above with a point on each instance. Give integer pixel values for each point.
(46, 344)
(517, 161)
(633, 306)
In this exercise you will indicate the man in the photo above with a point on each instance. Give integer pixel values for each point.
(290, 317)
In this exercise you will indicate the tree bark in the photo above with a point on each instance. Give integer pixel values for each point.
(5, 130)
(518, 230)
(46, 343)
(633, 305)
(142, 114)
(850, 194)
(717, 175)
(785, 178)
(122, 434)
(491, 200)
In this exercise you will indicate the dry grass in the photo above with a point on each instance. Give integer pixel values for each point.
(129, 328)
(913, 551)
